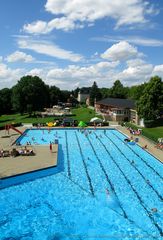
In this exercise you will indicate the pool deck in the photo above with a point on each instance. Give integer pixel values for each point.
(11, 166)
(158, 153)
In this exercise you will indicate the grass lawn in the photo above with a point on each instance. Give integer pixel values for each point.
(17, 118)
(153, 133)
(83, 114)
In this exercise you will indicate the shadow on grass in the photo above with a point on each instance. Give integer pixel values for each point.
(7, 120)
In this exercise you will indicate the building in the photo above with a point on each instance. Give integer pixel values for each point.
(83, 96)
(115, 109)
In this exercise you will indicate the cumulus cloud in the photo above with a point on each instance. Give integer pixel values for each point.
(72, 76)
(8, 76)
(36, 72)
(77, 13)
(158, 70)
(46, 27)
(136, 73)
(48, 48)
(82, 76)
(19, 56)
(120, 52)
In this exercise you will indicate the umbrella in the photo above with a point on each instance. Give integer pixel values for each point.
(97, 120)
(82, 124)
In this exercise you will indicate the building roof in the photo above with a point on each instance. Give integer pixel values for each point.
(118, 102)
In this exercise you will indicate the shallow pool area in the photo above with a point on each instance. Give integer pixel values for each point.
(104, 188)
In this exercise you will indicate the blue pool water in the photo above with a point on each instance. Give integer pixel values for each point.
(104, 189)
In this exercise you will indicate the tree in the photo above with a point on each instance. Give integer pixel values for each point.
(95, 94)
(150, 104)
(118, 91)
(65, 94)
(5, 100)
(105, 92)
(55, 95)
(30, 91)
(135, 92)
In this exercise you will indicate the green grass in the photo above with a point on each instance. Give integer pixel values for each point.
(83, 114)
(17, 118)
(153, 133)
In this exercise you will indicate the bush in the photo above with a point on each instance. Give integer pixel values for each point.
(130, 125)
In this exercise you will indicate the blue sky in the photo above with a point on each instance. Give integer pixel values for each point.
(70, 44)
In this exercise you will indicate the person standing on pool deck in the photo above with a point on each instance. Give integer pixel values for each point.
(50, 146)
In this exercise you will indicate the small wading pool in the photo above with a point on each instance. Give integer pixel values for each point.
(104, 189)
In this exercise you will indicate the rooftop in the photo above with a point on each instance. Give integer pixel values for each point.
(117, 102)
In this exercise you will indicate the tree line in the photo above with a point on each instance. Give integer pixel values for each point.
(31, 94)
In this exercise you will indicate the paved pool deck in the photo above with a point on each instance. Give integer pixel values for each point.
(158, 153)
(11, 166)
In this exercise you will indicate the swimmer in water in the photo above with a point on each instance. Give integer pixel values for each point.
(107, 192)
(154, 210)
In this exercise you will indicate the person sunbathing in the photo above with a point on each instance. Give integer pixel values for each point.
(159, 146)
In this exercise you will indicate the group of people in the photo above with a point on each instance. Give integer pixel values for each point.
(159, 145)
(17, 152)
(22, 152)
(4, 153)
(135, 132)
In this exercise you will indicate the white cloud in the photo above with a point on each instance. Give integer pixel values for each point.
(72, 76)
(136, 74)
(46, 27)
(8, 76)
(36, 72)
(36, 27)
(48, 48)
(77, 13)
(19, 56)
(138, 40)
(120, 52)
(135, 62)
(67, 78)
(158, 70)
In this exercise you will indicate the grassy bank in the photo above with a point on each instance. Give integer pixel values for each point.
(17, 118)
(80, 114)
(83, 114)
(151, 133)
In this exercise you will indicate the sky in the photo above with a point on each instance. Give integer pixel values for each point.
(72, 43)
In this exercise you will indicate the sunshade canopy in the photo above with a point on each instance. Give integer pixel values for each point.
(95, 119)
(82, 124)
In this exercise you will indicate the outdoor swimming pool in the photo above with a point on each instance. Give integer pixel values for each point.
(105, 190)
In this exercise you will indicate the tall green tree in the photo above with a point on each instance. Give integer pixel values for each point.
(118, 90)
(150, 104)
(135, 92)
(95, 94)
(55, 95)
(65, 94)
(105, 92)
(5, 101)
(30, 91)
